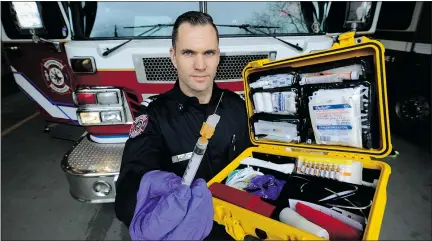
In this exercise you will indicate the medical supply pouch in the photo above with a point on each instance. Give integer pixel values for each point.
(325, 115)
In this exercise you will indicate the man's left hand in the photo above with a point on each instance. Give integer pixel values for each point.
(198, 221)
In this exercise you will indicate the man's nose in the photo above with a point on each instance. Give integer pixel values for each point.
(200, 63)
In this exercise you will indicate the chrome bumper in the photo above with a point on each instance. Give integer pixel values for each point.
(92, 169)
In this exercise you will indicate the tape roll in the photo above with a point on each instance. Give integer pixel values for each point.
(258, 102)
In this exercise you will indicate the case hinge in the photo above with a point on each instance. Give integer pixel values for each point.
(296, 150)
(353, 156)
(300, 150)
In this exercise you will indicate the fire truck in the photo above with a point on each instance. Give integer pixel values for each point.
(92, 64)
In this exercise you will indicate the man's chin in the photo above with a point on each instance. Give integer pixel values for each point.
(200, 87)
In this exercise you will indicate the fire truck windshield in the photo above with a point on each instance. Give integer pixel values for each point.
(118, 20)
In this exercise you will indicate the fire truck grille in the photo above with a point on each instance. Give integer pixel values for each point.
(230, 67)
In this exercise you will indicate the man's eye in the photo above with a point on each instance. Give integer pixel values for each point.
(210, 53)
(187, 52)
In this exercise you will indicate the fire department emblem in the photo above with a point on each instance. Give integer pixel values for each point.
(138, 126)
(56, 76)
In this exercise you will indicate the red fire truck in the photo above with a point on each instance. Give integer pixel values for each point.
(93, 63)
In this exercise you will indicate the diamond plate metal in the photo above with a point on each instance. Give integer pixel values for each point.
(91, 157)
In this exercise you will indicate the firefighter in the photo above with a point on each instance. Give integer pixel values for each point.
(153, 163)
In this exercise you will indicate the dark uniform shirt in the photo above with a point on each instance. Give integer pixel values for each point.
(170, 126)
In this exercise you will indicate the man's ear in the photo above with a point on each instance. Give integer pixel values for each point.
(173, 58)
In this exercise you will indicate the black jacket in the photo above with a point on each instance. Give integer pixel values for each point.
(172, 128)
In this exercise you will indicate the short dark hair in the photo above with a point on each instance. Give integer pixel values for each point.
(194, 18)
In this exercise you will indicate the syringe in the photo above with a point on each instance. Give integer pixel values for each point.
(206, 132)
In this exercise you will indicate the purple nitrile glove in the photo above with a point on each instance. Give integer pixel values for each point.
(198, 221)
(266, 186)
(162, 203)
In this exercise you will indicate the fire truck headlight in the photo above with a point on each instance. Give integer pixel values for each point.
(89, 118)
(107, 98)
(111, 116)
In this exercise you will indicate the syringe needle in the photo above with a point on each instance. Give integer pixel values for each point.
(220, 98)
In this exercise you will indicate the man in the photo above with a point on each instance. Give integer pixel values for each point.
(171, 122)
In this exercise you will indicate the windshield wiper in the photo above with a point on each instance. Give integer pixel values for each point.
(258, 28)
(155, 27)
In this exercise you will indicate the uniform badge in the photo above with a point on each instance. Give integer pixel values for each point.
(138, 126)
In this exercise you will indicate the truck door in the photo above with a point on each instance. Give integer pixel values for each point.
(33, 35)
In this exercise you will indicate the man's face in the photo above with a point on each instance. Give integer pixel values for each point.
(196, 56)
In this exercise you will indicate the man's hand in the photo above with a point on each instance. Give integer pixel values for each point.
(168, 210)
(198, 221)
(162, 203)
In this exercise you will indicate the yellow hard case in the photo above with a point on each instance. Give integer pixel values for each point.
(240, 222)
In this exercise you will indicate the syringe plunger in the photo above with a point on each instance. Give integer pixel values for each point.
(212, 120)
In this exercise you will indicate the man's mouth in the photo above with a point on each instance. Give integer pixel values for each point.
(199, 78)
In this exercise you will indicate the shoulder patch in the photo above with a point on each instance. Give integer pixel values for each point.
(138, 126)
(147, 101)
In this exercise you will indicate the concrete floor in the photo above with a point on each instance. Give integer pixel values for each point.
(36, 204)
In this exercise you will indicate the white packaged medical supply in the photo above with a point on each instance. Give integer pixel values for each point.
(273, 81)
(289, 102)
(268, 105)
(336, 116)
(277, 130)
(284, 102)
(258, 102)
(275, 103)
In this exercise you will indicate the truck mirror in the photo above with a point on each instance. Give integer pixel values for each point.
(362, 16)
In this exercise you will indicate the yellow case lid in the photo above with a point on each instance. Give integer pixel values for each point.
(347, 47)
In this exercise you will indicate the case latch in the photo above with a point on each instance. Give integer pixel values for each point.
(232, 225)
(345, 39)
(259, 63)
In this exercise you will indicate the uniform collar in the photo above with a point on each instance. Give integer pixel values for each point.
(184, 100)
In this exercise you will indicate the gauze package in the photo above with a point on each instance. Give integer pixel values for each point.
(273, 81)
(336, 116)
(279, 131)
(284, 102)
(275, 103)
